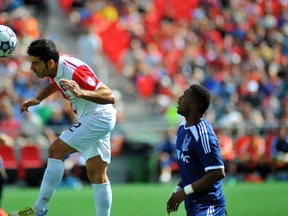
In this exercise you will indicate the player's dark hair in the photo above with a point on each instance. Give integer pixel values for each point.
(202, 97)
(45, 49)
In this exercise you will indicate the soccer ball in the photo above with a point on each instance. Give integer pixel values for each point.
(8, 41)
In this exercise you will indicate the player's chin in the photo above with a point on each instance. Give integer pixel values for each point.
(40, 76)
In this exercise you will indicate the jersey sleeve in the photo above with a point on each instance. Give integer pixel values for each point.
(86, 78)
(208, 150)
(213, 159)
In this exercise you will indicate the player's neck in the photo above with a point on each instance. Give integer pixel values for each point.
(54, 70)
(192, 120)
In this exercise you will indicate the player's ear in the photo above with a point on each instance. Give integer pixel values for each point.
(193, 106)
(51, 63)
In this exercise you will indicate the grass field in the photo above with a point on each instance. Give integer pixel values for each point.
(243, 199)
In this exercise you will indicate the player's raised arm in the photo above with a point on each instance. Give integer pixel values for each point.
(49, 90)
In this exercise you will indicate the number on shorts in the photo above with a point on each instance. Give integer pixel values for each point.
(75, 126)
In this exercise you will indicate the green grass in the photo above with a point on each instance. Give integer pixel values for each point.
(150, 199)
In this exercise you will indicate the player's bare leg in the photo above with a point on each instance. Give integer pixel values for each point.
(97, 174)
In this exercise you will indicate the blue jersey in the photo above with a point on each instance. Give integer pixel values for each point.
(197, 153)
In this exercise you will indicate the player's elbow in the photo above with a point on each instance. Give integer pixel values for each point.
(222, 173)
(219, 174)
(112, 99)
(109, 98)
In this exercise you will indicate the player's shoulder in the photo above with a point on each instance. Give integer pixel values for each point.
(204, 125)
(70, 61)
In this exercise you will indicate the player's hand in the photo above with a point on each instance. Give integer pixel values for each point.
(32, 102)
(172, 206)
(72, 86)
(175, 200)
(168, 207)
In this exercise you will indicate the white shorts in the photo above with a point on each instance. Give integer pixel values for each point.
(91, 136)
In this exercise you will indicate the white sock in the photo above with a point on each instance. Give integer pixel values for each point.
(102, 198)
(52, 177)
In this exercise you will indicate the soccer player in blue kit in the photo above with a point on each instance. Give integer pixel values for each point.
(200, 163)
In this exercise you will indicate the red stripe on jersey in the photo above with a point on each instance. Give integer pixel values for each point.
(54, 84)
(85, 78)
(69, 64)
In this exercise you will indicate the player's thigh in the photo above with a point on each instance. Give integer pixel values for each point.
(59, 149)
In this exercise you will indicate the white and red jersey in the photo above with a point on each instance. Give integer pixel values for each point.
(74, 69)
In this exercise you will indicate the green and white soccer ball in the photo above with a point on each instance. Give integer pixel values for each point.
(8, 41)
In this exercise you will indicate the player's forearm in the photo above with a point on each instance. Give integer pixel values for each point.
(46, 92)
(100, 96)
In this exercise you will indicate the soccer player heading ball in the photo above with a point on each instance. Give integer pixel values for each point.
(200, 164)
(92, 101)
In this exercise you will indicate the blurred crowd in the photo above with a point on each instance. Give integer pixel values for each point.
(237, 49)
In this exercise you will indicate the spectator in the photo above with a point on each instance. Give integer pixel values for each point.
(226, 145)
(5, 139)
(279, 152)
(166, 156)
(250, 156)
(3, 178)
(252, 117)
(8, 123)
(90, 49)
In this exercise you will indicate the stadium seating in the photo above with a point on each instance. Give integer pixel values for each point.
(10, 162)
(31, 164)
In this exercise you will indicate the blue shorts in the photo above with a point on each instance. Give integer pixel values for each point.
(207, 210)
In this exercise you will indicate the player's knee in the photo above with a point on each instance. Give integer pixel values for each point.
(97, 178)
(53, 153)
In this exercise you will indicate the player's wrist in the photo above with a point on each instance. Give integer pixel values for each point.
(38, 99)
(177, 188)
(188, 189)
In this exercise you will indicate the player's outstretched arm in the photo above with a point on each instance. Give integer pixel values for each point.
(26, 104)
(50, 89)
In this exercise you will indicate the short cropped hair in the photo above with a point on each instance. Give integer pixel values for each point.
(202, 96)
(45, 49)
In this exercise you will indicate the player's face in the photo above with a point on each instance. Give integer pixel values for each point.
(39, 67)
(184, 103)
